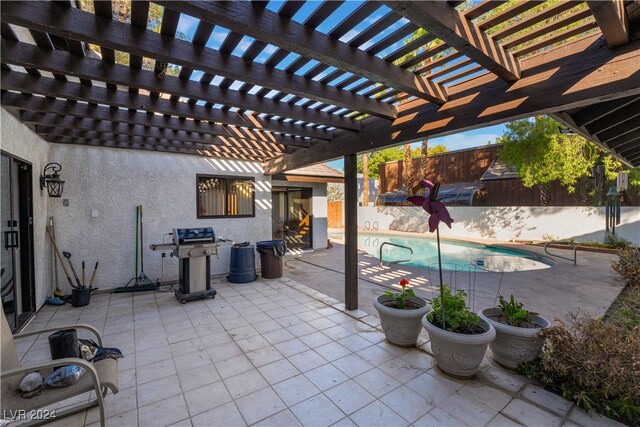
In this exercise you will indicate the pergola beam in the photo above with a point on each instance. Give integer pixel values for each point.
(72, 23)
(459, 32)
(55, 61)
(612, 19)
(68, 123)
(152, 147)
(272, 28)
(116, 137)
(25, 83)
(93, 111)
(589, 73)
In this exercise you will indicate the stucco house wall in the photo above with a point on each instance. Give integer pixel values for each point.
(104, 186)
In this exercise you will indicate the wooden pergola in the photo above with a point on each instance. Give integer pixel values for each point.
(295, 83)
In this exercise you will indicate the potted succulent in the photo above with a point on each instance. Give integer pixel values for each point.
(516, 332)
(400, 315)
(459, 338)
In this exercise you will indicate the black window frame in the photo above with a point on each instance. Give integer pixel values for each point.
(226, 179)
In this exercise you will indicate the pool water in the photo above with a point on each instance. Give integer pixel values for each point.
(475, 256)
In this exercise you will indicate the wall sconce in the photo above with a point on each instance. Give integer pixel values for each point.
(53, 182)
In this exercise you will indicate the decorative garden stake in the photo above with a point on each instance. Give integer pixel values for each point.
(437, 212)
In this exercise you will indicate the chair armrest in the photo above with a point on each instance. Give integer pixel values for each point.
(57, 328)
(53, 363)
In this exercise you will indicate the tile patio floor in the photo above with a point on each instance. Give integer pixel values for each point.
(276, 352)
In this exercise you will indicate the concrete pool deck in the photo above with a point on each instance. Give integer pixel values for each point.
(590, 286)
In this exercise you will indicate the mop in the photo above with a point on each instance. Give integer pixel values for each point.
(139, 282)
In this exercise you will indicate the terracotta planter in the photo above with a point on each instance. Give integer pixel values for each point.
(459, 355)
(513, 345)
(401, 327)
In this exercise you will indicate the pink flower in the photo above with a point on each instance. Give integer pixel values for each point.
(437, 210)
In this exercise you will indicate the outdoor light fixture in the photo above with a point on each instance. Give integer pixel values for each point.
(53, 182)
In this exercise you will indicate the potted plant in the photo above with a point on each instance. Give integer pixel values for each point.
(460, 341)
(516, 332)
(400, 315)
(459, 338)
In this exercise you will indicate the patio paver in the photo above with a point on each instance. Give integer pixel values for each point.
(310, 363)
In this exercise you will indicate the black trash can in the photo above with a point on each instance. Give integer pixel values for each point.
(64, 343)
(243, 264)
(81, 297)
(271, 253)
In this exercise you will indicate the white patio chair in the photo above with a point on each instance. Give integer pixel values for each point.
(98, 377)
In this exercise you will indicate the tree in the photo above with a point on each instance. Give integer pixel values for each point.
(365, 179)
(431, 151)
(541, 154)
(408, 169)
(380, 156)
(424, 153)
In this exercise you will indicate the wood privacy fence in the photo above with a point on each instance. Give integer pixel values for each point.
(470, 165)
(334, 214)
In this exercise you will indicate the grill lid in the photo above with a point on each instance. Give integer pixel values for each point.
(183, 236)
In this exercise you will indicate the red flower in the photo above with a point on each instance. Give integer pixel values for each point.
(404, 283)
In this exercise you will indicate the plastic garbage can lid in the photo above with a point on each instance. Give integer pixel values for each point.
(270, 244)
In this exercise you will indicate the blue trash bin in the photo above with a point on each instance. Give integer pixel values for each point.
(271, 253)
(243, 264)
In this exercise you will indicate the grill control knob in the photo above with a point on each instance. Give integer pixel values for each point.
(207, 251)
(190, 253)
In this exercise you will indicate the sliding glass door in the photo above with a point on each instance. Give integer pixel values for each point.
(292, 216)
(16, 225)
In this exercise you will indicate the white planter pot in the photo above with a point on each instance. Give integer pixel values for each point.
(401, 327)
(459, 355)
(513, 345)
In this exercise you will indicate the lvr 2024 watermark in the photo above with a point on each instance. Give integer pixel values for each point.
(24, 415)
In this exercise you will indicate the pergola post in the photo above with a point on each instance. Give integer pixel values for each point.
(350, 232)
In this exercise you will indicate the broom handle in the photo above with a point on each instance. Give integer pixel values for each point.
(93, 275)
(64, 267)
(137, 231)
(141, 244)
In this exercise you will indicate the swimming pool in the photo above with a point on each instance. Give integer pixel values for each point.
(471, 255)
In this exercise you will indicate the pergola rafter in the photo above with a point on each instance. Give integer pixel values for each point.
(41, 104)
(461, 33)
(262, 81)
(272, 28)
(590, 73)
(72, 23)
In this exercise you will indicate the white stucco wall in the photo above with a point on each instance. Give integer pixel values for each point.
(318, 209)
(507, 223)
(18, 140)
(114, 181)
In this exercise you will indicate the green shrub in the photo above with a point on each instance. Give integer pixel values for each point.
(458, 318)
(628, 266)
(597, 365)
(615, 242)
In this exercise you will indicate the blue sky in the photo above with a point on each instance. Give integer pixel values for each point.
(458, 141)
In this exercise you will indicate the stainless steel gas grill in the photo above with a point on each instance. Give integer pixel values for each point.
(193, 247)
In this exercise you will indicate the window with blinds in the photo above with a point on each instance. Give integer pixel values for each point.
(225, 196)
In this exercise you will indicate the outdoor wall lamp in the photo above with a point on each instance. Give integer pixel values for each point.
(53, 182)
